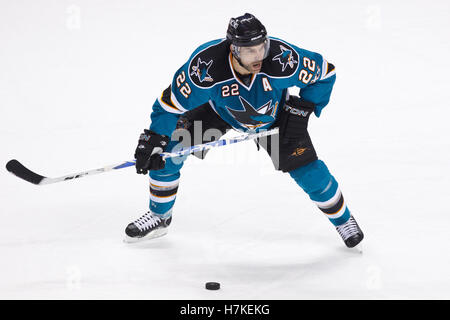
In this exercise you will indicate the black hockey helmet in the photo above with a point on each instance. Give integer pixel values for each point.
(246, 31)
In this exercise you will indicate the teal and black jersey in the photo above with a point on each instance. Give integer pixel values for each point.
(208, 77)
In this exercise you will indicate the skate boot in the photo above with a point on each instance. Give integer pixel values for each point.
(350, 232)
(149, 226)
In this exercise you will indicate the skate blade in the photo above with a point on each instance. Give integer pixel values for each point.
(358, 248)
(152, 235)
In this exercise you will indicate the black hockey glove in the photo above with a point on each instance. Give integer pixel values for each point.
(148, 151)
(294, 118)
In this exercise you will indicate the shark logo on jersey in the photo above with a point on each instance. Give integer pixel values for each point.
(252, 118)
(201, 70)
(285, 58)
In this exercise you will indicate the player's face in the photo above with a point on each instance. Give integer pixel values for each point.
(252, 57)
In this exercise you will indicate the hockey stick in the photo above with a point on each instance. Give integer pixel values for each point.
(18, 169)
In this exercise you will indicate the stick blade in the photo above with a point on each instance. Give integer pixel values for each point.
(19, 170)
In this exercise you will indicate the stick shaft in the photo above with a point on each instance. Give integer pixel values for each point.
(218, 143)
(18, 169)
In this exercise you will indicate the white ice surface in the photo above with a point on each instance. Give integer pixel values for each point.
(77, 82)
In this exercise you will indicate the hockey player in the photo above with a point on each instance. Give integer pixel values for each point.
(241, 82)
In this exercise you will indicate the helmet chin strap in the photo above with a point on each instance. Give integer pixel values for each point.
(241, 64)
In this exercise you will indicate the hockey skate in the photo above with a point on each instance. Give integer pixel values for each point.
(350, 233)
(149, 226)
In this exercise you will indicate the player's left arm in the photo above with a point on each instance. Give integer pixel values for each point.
(315, 77)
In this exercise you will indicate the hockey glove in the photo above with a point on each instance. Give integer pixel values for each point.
(148, 151)
(294, 119)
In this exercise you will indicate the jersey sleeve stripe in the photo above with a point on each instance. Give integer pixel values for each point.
(169, 108)
(165, 100)
(174, 100)
(328, 70)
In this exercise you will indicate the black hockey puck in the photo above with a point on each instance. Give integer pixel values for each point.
(212, 285)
